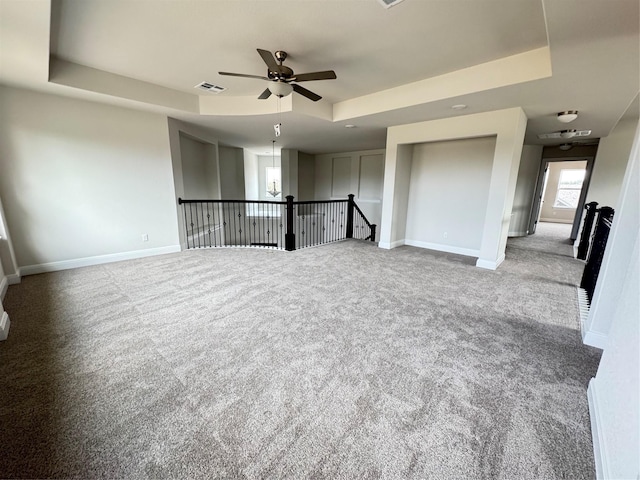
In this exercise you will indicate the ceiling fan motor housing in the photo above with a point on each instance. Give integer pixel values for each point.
(285, 74)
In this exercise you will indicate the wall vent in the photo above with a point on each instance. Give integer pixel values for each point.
(210, 87)
(389, 3)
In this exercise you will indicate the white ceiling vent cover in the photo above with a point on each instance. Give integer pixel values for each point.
(210, 87)
(579, 133)
(389, 3)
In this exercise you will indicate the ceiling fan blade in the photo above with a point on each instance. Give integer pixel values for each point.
(264, 95)
(270, 60)
(325, 75)
(244, 75)
(306, 93)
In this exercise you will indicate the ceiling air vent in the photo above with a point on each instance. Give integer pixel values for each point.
(565, 134)
(389, 3)
(210, 87)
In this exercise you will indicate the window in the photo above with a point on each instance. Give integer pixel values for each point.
(569, 187)
(274, 185)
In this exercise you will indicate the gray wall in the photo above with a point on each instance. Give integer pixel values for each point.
(231, 164)
(611, 162)
(199, 169)
(82, 179)
(525, 190)
(306, 176)
(612, 324)
(448, 192)
(360, 173)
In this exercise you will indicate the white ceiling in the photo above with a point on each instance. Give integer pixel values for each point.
(409, 63)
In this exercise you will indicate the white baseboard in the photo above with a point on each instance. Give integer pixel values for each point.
(517, 234)
(595, 339)
(5, 323)
(4, 285)
(599, 445)
(443, 248)
(14, 279)
(389, 246)
(97, 260)
(490, 264)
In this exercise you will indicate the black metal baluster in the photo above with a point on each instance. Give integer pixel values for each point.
(208, 223)
(213, 215)
(204, 243)
(587, 227)
(324, 222)
(186, 227)
(191, 223)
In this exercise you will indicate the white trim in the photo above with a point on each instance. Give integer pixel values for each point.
(97, 260)
(14, 278)
(595, 339)
(517, 234)
(490, 264)
(5, 323)
(599, 445)
(4, 285)
(443, 248)
(389, 246)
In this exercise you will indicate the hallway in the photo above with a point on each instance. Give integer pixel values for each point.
(549, 237)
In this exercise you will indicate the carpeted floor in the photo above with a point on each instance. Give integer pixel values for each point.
(343, 361)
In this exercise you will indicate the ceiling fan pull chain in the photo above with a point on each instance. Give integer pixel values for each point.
(278, 125)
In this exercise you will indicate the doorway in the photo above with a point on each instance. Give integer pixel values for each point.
(560, 194)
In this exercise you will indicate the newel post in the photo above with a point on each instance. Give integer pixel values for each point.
(350, 203)
(600, 236)
(587, 227)
(289, 236)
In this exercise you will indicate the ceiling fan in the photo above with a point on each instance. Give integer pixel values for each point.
(282, 80)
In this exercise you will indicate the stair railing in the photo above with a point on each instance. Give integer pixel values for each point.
(280, 225)
(600, 236)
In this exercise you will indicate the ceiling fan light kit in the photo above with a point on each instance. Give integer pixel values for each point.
(280, 89)
(568, 116)
(568, 133)
(565, 146)
(282, 79)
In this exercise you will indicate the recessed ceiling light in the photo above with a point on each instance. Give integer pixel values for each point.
(568, 116)
(349, 126)
(460, 106)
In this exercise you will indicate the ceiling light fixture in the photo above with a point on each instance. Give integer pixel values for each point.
(565, 147)
(568, 116)
(280, 89)
(568, 133)
(349, 125)
(460, 106)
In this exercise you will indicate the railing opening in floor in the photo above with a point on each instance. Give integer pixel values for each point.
(285, 225)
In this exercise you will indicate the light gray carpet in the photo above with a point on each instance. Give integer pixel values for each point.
(343, 361)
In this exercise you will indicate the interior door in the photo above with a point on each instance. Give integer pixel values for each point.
(537, 199)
